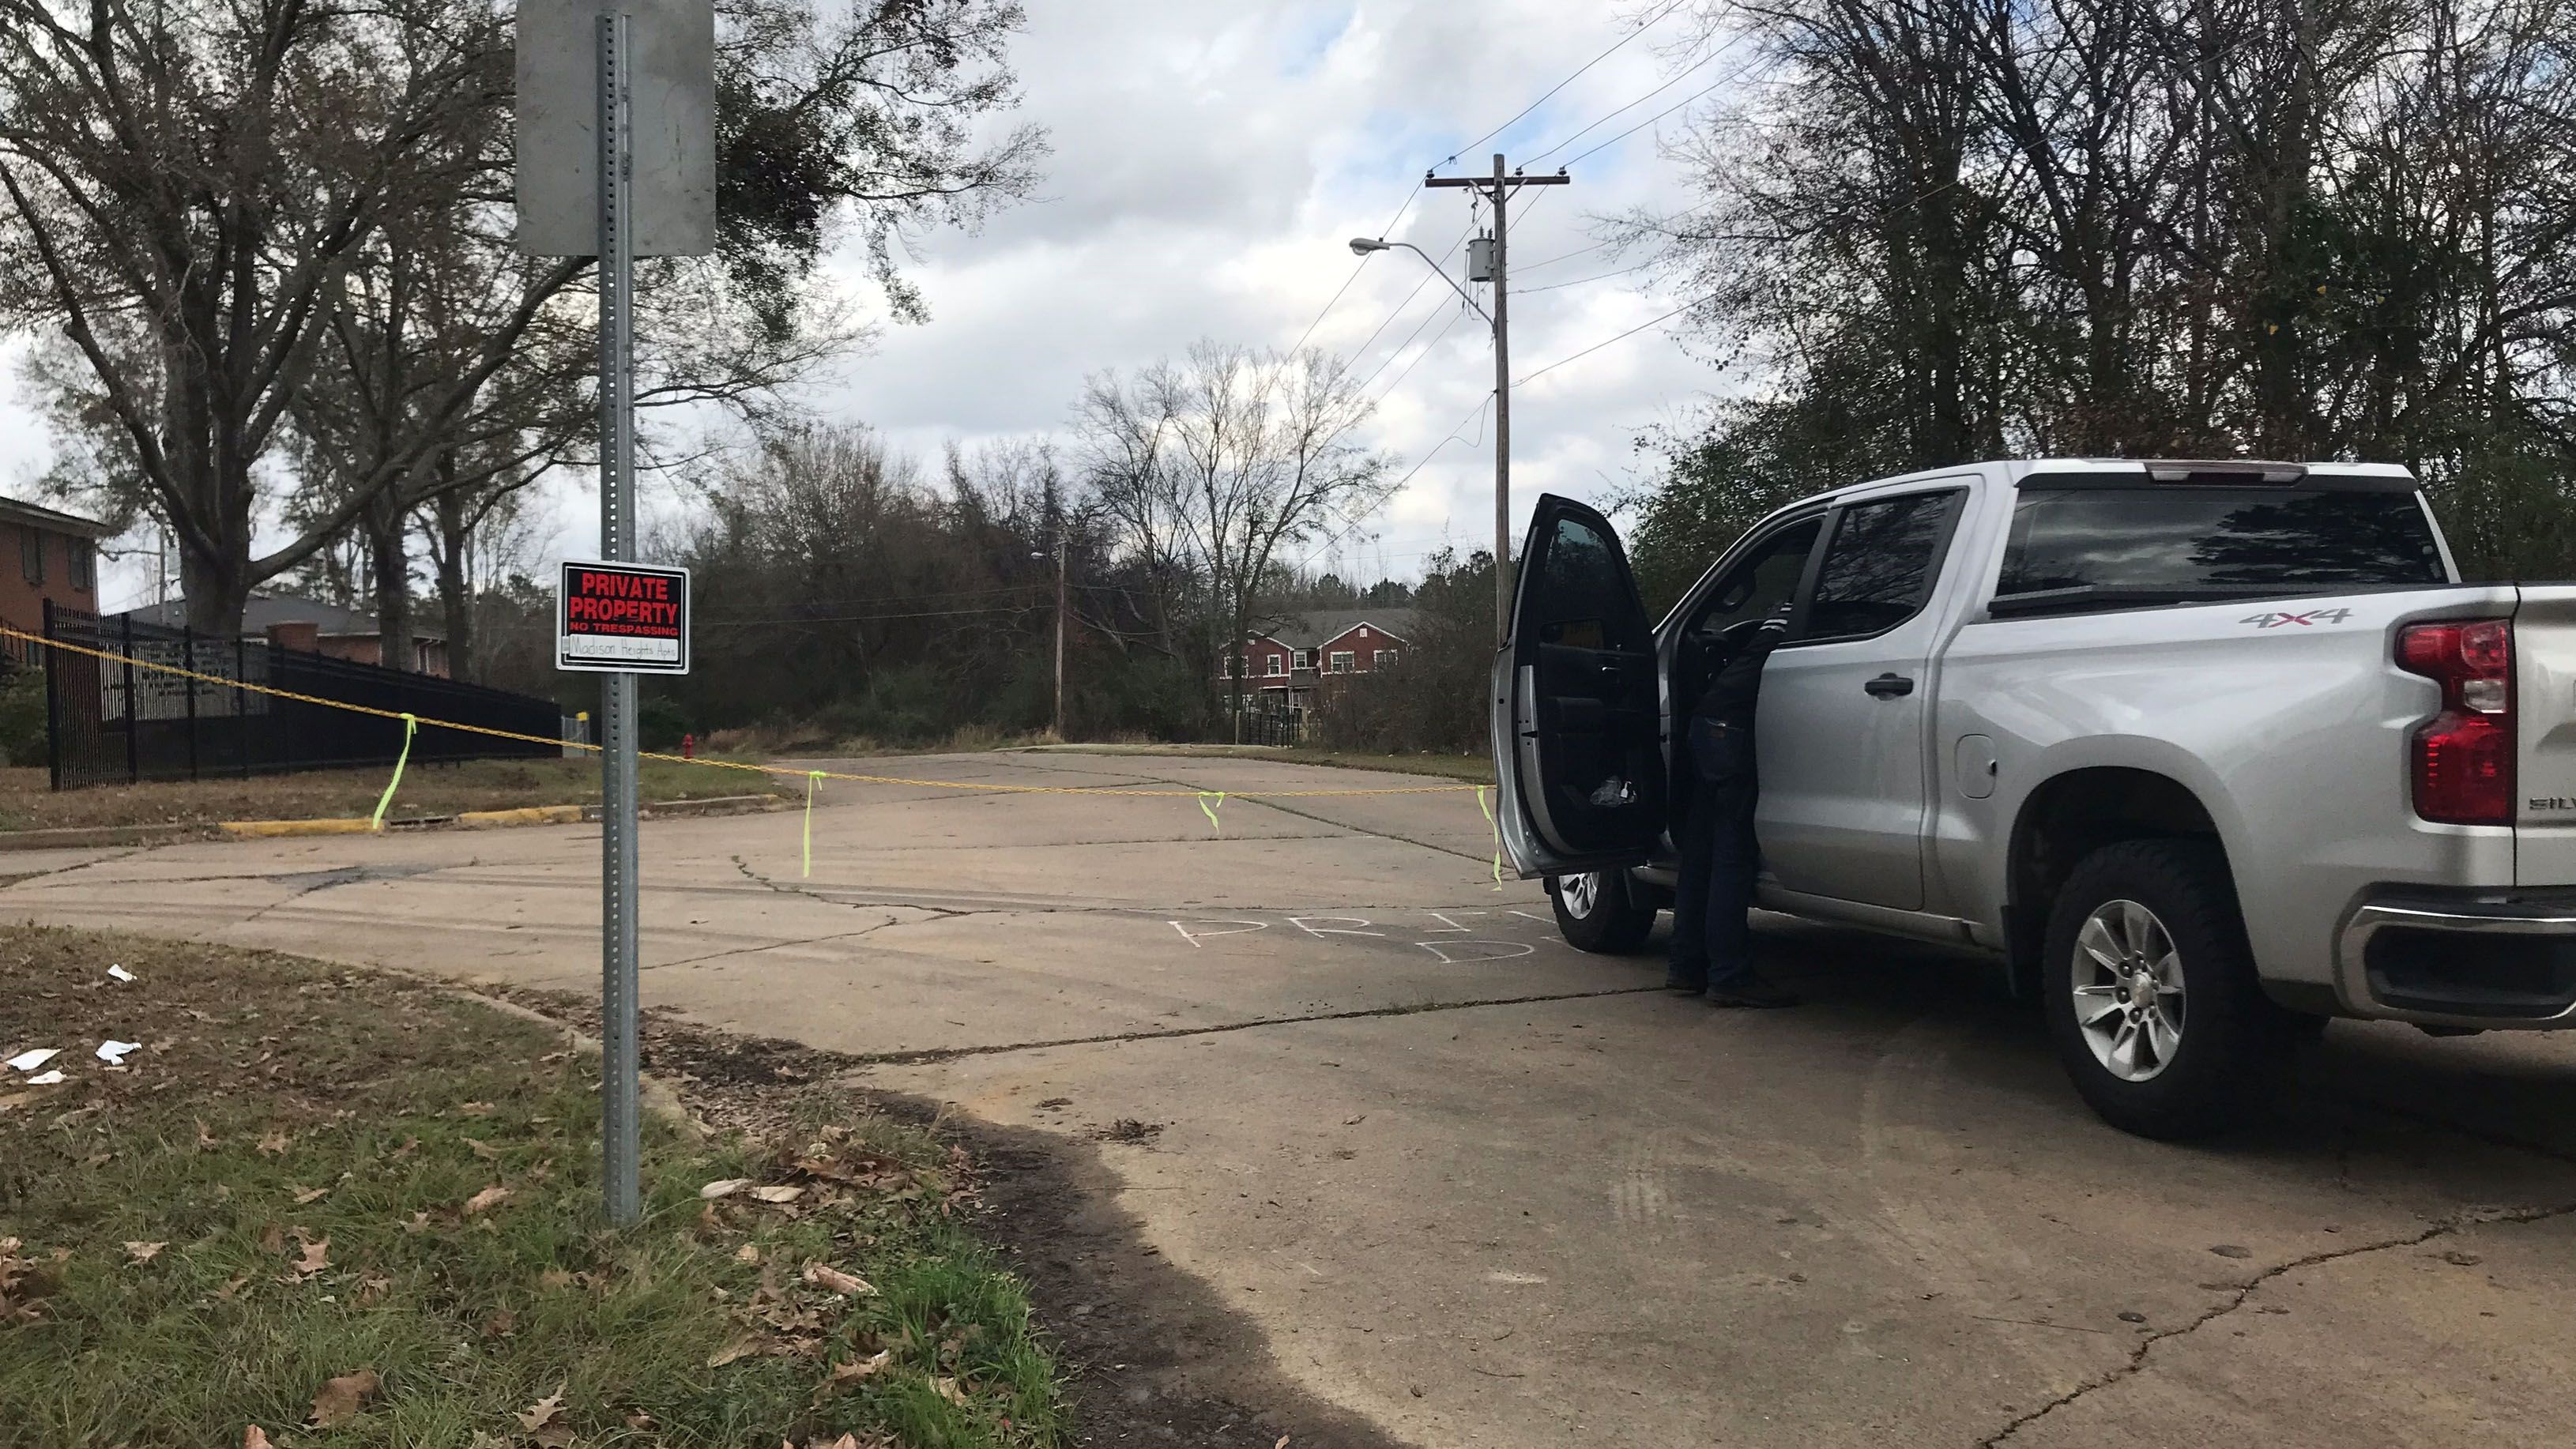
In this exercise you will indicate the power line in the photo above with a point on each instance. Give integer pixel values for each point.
(1676, 79)
(1427, 350)
(1606, 341)
(1650, 120)
(1615, 47)
(1579, 281)
(1559, 257)
(1330, 302)
(1354, 276)
(1398, 309)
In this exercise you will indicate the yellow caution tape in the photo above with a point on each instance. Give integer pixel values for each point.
(551, 742)
(812, 779)
(411, 726)
(1498, 835)
(1219, 797)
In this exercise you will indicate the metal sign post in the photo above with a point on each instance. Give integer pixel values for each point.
(618, 1087)
(616, 157)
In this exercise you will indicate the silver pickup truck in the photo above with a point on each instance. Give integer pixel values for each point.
(2203, 753)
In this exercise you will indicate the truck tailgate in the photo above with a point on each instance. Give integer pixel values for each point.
(2544, 708)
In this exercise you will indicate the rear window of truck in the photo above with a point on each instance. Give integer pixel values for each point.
(2172, 543)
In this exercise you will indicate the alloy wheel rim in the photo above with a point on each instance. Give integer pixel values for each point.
(2128, 990)
(1580, 893)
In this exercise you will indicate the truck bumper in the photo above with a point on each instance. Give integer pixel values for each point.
(2459, 961)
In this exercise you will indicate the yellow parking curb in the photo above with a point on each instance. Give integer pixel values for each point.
(523, 815)
(262, 829)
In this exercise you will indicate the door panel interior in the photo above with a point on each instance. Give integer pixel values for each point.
(1589, 761)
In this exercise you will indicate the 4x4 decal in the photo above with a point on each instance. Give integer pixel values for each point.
(2313, 616)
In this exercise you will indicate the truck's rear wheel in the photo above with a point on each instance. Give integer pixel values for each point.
(2151, 994)
(1595, 911)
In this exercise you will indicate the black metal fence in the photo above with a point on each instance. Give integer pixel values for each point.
(111, 722)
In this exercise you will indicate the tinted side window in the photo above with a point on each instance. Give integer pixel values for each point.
(1582, 595)
(1761, 581)
(1879, 569)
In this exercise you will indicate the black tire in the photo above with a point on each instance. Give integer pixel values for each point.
(2230, 1044)
(1611, 923)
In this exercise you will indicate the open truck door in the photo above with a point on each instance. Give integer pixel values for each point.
(1576, 723)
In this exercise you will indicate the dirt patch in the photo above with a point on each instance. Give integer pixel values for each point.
(1154, 1357)
(1128, 1130)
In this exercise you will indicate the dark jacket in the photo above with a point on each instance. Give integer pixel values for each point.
(1721, 725)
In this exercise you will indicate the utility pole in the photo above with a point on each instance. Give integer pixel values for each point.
(1498, 189)
(1060, 592)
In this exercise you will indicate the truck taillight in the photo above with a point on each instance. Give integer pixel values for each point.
(2462, 759)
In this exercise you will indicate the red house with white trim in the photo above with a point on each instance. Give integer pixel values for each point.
(1282, 665)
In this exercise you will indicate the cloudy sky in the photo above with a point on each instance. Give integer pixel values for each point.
(1210, 163)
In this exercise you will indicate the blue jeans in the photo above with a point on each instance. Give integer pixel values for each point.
(1712, 940)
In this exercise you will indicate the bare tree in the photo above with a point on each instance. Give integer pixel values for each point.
(193, 191)
(1220, 462)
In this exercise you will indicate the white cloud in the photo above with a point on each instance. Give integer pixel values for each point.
(1211, 160)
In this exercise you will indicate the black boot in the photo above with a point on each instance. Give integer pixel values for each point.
(1688, 980)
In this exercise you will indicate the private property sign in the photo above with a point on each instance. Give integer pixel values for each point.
(613, 617)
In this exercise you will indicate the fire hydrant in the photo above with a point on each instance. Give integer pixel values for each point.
(688, 747)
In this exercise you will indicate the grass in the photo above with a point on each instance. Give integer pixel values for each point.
(1478, 769)
(427, 789)
(307, 1175)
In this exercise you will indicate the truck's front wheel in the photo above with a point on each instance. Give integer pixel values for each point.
(2151, 994)
(1596, 912)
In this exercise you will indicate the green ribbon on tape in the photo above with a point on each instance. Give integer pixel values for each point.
(1497, 827)
(1219, 797)
(812, 779)
(411, 726)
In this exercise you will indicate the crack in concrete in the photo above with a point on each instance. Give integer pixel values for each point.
(310, 881)
(2244, 1292)
(930, 1055)
(6, 882)
(781, 945)
(938, 912)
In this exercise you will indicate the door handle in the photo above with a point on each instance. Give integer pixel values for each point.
(1889, 686)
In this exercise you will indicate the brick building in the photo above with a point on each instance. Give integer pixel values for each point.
(45, 555)
(1284, 665)
(298, 623)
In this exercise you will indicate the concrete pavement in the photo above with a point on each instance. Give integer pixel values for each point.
(1477, 1188)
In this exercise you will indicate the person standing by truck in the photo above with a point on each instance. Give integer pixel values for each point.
(1712, 946)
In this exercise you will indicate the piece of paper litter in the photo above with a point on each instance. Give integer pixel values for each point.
(120, 973)
(44, 1079)
(30, 1060)
(113, 1052)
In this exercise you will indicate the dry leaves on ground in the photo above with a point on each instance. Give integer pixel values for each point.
(490, 1197)
(847, 1284)
(778, 1194)
(342, 1397)
(851, 1371)
(723, 1187)
(274, 1143)
(737, 1348)
(255, 1437)
(482, 1149)
(315, 1257)
(307, 1195)
(144, 1252)
(544, 1422)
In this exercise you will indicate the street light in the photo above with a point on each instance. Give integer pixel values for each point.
(1362, 246)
